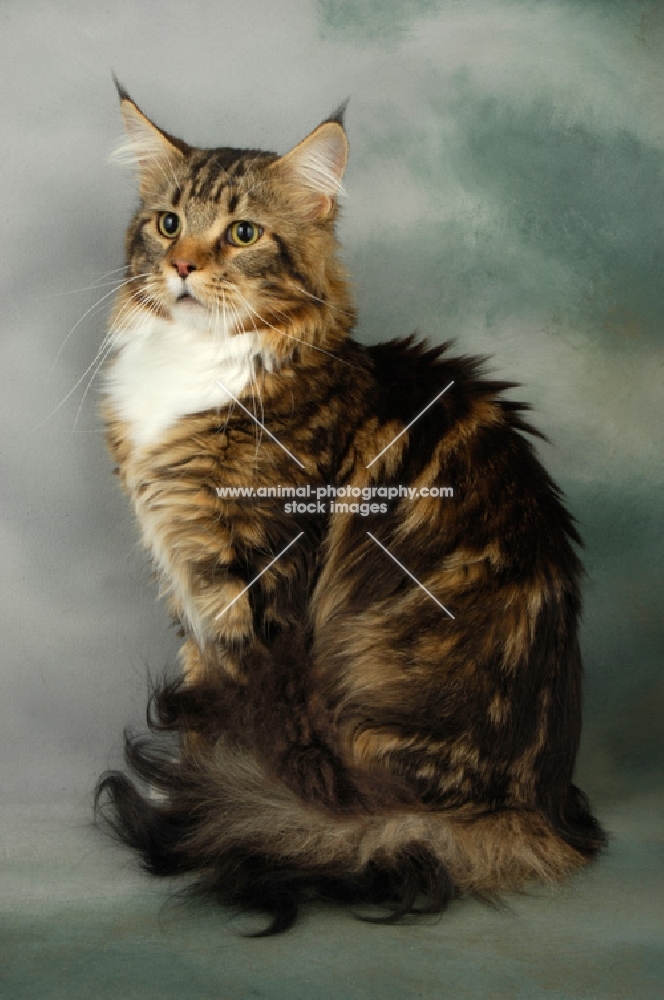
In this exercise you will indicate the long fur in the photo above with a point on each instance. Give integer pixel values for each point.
(252, 841)
(334, 733)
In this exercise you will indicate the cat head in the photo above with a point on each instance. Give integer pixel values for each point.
(236, 240)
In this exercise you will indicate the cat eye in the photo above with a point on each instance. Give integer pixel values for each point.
(243, 234)
(168, 224)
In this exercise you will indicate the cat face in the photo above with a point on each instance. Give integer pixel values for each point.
(232, 240)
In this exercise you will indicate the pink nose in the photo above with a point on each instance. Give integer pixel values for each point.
(184, 267)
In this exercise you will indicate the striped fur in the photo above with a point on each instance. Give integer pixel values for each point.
(334, 732)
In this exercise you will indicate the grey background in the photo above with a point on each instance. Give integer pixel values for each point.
(505, 187)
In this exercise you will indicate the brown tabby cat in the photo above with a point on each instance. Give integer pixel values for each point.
(338, 730)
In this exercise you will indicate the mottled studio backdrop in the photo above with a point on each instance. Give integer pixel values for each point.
(505, 187)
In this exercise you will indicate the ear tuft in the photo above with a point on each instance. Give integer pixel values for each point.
(149, 150)
(316, 165)
(338, 115)
(122, 92)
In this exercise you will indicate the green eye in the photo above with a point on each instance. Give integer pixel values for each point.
(243, 234)
(168, 224)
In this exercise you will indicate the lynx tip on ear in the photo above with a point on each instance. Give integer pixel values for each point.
(122, 92)
(338, 116)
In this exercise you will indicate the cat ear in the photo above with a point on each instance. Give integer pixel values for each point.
(316, 165)
(152, 152)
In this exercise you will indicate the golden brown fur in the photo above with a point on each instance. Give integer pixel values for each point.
(336, 731)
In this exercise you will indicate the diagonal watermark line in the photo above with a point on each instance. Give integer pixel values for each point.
(250, 414)
(276, 558)
(409, 426)
(408, 573)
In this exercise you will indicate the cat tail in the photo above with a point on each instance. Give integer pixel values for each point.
(254, 843)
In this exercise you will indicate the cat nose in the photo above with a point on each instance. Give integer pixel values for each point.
(184, 267)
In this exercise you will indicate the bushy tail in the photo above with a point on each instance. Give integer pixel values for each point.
(214, 810)
(253, 843)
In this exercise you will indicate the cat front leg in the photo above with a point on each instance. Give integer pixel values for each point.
(197, 566)
(234, 578)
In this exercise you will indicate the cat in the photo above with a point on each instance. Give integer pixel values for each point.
(380, 700)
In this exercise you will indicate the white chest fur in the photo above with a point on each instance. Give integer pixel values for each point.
(167, 369)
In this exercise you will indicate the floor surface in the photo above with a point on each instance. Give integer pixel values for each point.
(78, 921)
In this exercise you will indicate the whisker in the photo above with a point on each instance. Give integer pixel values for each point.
(111, 344)
(291, 337)
(316, 298)
(125, 317)
(102, 359)
(210, 329)
(129, 310)
(113, 334)
(259, 400)
(255, 396)
(255, 378)
(229, 408)
(216, 333)
(87, 313)
(98, 283)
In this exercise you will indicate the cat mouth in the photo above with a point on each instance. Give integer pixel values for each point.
(187, 299)
(189, 311)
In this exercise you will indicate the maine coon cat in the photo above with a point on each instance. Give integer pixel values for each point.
(337, 729)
